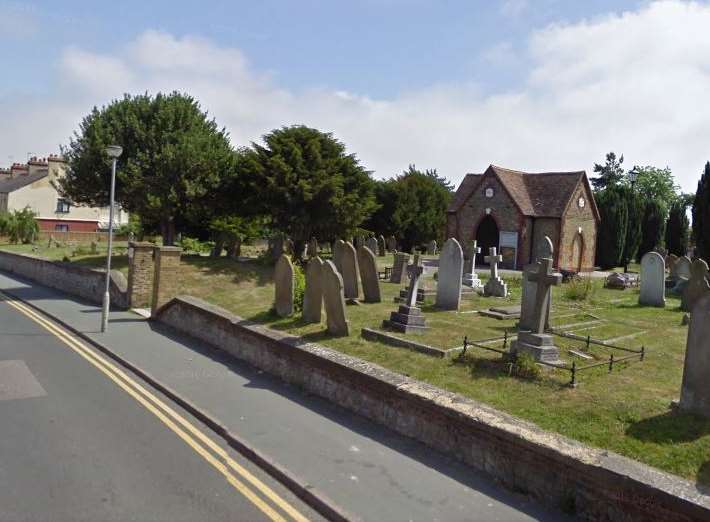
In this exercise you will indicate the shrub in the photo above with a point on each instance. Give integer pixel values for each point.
(526, 367)
(579, 289)
(299, 287)
(191, 245)
(21, 226)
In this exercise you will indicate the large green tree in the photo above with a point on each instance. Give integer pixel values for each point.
(634, 218)
(609, 174)
(655, 183)
(701, 215)
(653, 227)
(175, 159)
(412, 206)
(677, 228)
(611, 237)
(308, 184)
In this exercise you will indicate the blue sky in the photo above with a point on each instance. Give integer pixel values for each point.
(452, 85)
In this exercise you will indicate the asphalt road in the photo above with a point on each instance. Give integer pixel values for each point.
(79, 442)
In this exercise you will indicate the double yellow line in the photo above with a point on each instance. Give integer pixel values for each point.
(258, 493)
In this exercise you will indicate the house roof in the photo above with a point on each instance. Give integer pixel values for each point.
(21, 180)
(537, 194)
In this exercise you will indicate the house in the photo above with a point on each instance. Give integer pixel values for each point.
(30, 185)
(514, 211)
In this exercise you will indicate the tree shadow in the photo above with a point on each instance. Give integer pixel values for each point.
(241, 271)
(670, 428)
(703, 480)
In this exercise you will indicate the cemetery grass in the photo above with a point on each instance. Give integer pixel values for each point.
(626, 411)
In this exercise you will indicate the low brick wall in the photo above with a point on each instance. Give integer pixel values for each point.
(78, 281)
(595, 484)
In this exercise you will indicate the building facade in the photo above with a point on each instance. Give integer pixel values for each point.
(514, 211)
(30, 185)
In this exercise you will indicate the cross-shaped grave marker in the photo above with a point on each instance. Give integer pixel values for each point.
(495, 285)
(493, 258)
(414, 271)
(470, 278)
(408, 318)
(545, 279)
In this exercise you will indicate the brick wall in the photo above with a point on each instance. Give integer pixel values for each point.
(575, 218)
(166, 274)
(140, 274)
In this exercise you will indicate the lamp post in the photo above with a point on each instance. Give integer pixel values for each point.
(113, 152)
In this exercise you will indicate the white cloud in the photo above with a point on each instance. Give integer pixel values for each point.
(635, 83)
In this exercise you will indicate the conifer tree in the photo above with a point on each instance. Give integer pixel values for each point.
(677, 229)
(701, 215)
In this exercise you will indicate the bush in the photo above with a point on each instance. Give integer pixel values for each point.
(191, 245)
(299, 287)
(579, 289)
(21, 226)
(526, 367)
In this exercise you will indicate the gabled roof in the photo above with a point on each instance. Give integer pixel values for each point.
(21, 180)
(537, 194)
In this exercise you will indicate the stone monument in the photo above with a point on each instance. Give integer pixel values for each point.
(283, 283)
(312, 249)
(697, 287)
(334, 300)
(495, 285)
(682, 268)
(381, 246)
(653, 280)
(350, 273)
(338, 247)
(408, 318)
(448, 288)
(368, 275)
(399, 267)
(313, 296)
(470, 277)
(529, 289)
(695, 390)
(391, 244)
(431, 248)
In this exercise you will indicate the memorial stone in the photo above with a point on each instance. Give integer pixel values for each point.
(368, 274)
(448, 289)
(381, 246)
(495, 285)
(312, 249)
(408, 318)
(470, 277)
(283, 282)
(682, 268)
(697, 286)
(334, 299)
(313, 295)
(401, 260)
(529, 288)
(431, 248)
(653, 280)
(695, 389)
(338, 248)
(350, 274)
(391, 244)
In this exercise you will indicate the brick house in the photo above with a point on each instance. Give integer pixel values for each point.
(31, 185)
(515, 210)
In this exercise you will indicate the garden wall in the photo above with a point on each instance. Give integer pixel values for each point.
(594, 484)
(79, 281)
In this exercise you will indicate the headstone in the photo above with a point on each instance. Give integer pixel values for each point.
(431, 248)
(536, 342)
(277, 247)
(350, 273)
(495, 285)
(653, 280)
(338, 248)
(695, 390)
(368, 274)
(334, 299)
(616, 281)
(470, 277)
(359, 241)
(94, 247)
(529, 288)
(381, 246)
(391, 244)
(448, 289)
(283, 281)
(682, 268)
(312, 249)
(313, 296)
(371, 243)
(697, 287)
(671, 260)
(408, 318)
(401, 260)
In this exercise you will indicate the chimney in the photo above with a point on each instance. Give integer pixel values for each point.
(19, 169)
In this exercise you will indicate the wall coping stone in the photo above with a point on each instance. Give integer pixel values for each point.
(607, 483)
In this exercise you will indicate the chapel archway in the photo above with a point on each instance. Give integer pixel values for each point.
(487, 235)
(577, 252)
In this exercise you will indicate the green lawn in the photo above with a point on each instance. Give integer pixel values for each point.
(626, 411)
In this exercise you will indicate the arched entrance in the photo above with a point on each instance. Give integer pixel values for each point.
(487, 235)
(577, 252)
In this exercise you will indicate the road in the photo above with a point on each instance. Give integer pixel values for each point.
(82, 440)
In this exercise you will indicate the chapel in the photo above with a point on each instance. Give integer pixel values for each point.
(514, 211)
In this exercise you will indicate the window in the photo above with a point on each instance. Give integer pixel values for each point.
(61, 228)
(62, 206)
(489, 192)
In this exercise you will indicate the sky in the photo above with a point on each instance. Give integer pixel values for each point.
(536, 85)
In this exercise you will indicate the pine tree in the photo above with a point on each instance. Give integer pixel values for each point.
(701, 215)
(677, 229)
(611, 238)
(610, 174)
(635, 212)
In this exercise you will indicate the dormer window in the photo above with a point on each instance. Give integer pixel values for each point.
(62, 206)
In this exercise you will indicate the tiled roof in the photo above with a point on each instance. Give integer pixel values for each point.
(537, 194)
(21, 180)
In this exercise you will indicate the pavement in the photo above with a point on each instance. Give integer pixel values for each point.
(366, 471)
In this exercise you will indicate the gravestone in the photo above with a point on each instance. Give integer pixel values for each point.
(401, 260)
(313, 296)
(381, 246)
(536, 342)
(431, 248)
(338, 248)
(350, 274)
(94, 247)
(368, 274)
(334, 299)
(695, 390)
(697, 286)
(276, 246)
(682, 268)
(408, 318)
(653, 280)
(359, 241)
(495, 285)
(371, 243)
(670, 266)
(312, 249)
(617, 281)
(391, 244)
(283, 282)
(529, 288)
(448, 288)
(470, 278)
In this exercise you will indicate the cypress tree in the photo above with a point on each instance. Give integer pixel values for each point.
(701, 215)
(677, 229)
(635, 212)
(611, 238)
(652, 227)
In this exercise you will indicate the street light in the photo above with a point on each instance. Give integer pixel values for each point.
(632, 177)
(113, 152)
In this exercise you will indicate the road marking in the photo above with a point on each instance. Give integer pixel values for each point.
(144, 397)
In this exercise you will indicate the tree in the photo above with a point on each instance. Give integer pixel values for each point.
(174, 159)
(611, 237)
(610, 174)
(677, 228)
(655, 183)
(387, 198)
(308, 184)
(653, 226)
(20, 226)
(634, 212)
(701, 215)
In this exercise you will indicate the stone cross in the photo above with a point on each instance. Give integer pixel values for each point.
(544, 279)
(695, 390)
(415, 271)
(493, 259)
(475, 249)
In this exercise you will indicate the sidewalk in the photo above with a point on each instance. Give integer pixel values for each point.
(369, 471)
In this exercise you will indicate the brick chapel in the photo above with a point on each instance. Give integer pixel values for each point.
(514, 211)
